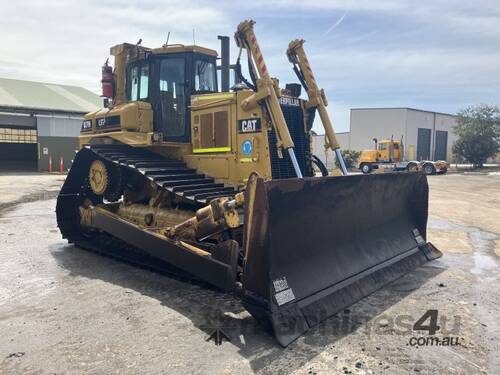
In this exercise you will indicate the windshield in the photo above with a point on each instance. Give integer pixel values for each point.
(204, 78)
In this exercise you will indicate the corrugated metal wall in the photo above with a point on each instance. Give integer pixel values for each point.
(57, 138)
(58, 126)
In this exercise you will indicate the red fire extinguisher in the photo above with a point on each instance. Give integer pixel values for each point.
(61, 165)
(107, 80)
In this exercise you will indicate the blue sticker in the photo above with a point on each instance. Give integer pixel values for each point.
(247, 147)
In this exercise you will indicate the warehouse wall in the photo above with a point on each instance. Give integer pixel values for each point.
(59, 126)
(433, 121)
(446, 123)
(57, 147)
(414, 121)
(57, 137)
(382, 123)
(328, 156)
(18, 120)
(370, 123)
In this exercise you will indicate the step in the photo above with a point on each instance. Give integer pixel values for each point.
(178, 176)
(203, 190)
(182, 182)
(159, 163)
(183, 188)
(215, 196)
(166, 171)
(222, 191)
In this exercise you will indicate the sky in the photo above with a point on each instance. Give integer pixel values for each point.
(438, 55)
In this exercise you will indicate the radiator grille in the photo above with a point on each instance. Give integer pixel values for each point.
(283, 168)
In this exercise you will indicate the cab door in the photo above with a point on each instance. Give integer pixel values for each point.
(383, 151)
(172, 96)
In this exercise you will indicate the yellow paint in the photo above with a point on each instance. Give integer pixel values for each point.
(368, 156)
(214, 97)
(246, 160)
(211, 149)
(411, 152)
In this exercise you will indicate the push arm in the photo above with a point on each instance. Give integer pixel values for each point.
(317, 98)
(267, 90)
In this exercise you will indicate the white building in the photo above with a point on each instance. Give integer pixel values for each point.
(426, 135)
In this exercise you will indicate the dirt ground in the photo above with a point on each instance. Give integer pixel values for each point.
(67, 311)
(18, 188)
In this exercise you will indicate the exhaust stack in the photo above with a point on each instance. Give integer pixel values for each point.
(224, 62)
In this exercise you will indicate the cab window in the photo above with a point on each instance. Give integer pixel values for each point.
(396, 146)
(204, 76)
(138, 82)
(144, 80)
(382, 146)
(134, 83)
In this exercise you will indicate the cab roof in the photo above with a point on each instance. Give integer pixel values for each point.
(171, 48)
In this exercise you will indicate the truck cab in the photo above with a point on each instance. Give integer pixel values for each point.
(385, 151)
(389, 150)
(388, 154)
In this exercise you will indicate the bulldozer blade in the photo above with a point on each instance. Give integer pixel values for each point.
(314, 246)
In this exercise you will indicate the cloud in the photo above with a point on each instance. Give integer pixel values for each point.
(337, 23)
(433, 54)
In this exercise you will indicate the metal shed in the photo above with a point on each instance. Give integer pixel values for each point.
(39, 122)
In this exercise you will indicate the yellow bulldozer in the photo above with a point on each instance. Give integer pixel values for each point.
(180, 176)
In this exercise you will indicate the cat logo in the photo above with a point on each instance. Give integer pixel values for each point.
(249, 125)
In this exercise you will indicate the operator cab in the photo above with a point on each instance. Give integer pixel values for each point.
(166, 79)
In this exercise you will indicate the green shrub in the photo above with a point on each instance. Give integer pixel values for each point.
(350, 158)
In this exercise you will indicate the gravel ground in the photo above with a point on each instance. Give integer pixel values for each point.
(67, 311)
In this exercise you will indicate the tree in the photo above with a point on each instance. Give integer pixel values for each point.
(350, 158)
(478, 131)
